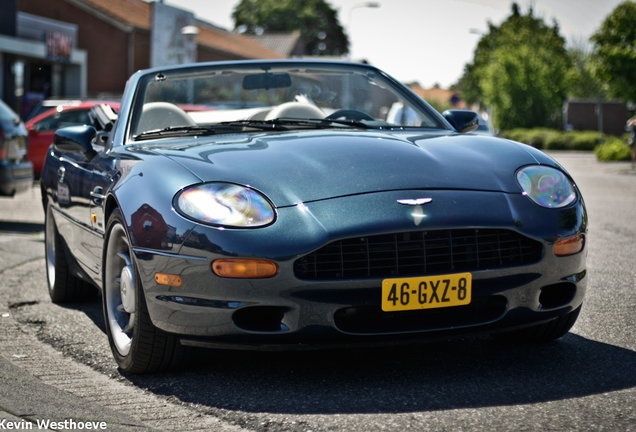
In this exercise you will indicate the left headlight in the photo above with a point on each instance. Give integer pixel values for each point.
(546, 186)
(225, 204)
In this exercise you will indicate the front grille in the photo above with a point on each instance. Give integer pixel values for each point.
(418, 253)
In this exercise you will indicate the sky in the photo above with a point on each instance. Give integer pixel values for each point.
(428, 41)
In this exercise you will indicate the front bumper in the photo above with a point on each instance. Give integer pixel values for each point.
(285, 310)
(15, 178)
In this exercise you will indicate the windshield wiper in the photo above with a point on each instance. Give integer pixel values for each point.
(326, 123)
(172, 131)
(198, 130)
(352, 123)
(274, 124)
(278, 124)
(290, 121)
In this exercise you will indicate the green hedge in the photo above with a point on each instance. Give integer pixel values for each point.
(552, 139)
(614, 149)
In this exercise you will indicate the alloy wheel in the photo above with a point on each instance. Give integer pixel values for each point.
(120, 289)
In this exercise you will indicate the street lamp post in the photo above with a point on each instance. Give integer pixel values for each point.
(369, 4)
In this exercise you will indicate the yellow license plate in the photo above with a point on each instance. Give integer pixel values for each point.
(429, 292)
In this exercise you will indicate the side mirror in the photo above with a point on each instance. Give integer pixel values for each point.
(76, 139)
(463, 121)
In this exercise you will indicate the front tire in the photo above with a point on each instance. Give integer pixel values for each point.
(137, 345)
(64, 287)
(541, 333)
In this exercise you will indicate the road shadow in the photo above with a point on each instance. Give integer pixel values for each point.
(92, 309)
(468, 373)
(21, 227)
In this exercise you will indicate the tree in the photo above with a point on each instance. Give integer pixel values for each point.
(585, 82)
(469, 83)
(316, 20)
(615, 49)
(521, 69)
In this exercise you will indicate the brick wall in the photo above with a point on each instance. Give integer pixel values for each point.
(107, 46)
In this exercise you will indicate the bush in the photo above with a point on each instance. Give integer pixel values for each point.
(534, 137)
(614, 149)
(513, 134)
(558, 140)
(552, 139)
(584, 140)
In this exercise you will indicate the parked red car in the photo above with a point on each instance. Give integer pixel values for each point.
(43, 126)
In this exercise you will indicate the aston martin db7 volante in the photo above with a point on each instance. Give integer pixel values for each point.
(291, 204)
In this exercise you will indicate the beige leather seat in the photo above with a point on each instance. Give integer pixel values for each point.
(159, 115)
(301, 110)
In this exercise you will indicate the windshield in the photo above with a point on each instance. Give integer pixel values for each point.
(256, 95)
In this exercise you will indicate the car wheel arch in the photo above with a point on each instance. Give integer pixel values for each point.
(111, 204)
(45, 198)
(109, 207)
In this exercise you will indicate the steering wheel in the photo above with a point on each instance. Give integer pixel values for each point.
(349, 114)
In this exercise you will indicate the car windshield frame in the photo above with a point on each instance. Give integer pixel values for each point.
(147, 81)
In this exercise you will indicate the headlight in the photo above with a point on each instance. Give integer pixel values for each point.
(546, 186)
(225, 204)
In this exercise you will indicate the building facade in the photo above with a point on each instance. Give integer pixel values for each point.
(89, 48)
(39, 58)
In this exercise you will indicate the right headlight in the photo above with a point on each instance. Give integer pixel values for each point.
(225, 204)
(546, 186)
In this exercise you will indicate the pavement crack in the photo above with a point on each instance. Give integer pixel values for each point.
(22, 304)
(20, 264)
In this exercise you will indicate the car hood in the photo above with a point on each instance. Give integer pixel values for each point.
(295, 167)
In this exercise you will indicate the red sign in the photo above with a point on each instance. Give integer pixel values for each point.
(58, 46)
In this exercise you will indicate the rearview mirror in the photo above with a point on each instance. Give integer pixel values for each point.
(266, 81)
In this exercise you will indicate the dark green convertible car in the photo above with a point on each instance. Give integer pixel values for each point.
(304, 204)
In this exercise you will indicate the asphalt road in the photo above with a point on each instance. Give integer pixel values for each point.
(584, 381)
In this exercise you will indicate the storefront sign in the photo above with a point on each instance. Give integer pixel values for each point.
(58, 46)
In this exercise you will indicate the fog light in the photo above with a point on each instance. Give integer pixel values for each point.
(168, 279)
(244, 268)
(569, 245)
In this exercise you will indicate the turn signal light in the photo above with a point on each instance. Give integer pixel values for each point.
(168, 279)
(569, 245)
(244, 268)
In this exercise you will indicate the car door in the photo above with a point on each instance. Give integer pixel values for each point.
(72, 202)
(102, 178)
